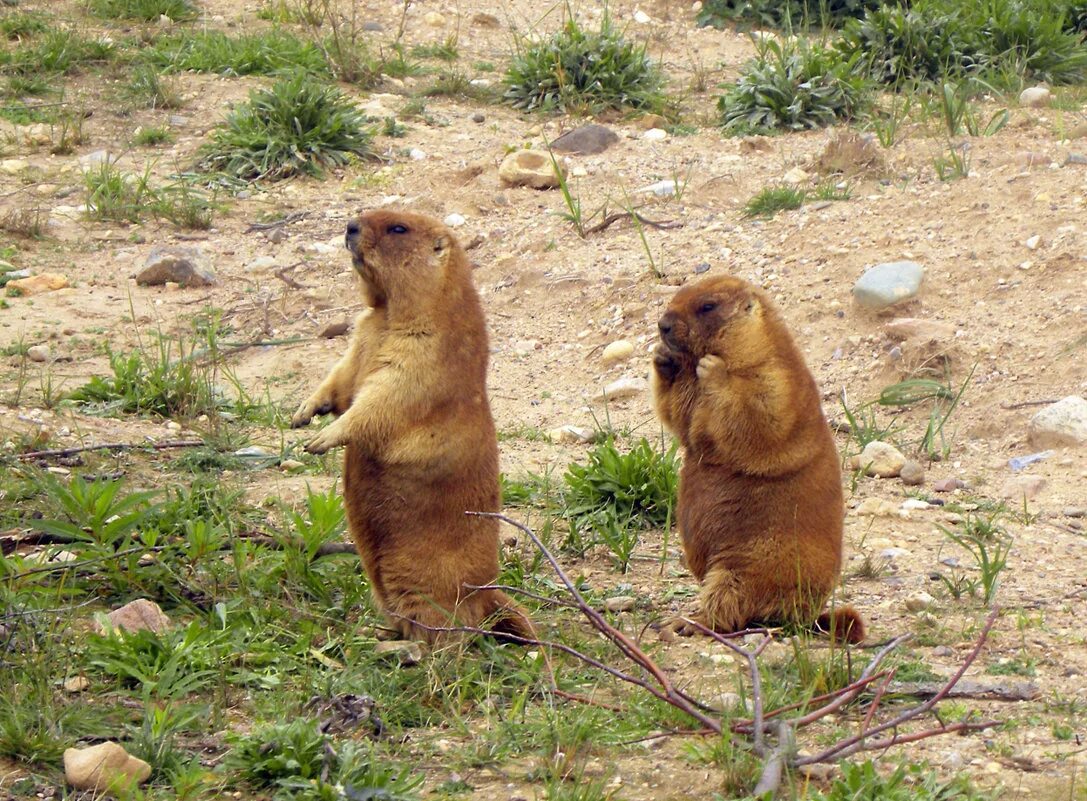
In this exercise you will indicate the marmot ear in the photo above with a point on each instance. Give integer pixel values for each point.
(751, 305)
(441, 245)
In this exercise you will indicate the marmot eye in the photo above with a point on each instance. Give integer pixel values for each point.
(396, 229)
(707, 307)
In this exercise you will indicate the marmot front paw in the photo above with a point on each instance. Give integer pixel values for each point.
(707, 364)
(308, 410)
(666, 362)
(331, 437)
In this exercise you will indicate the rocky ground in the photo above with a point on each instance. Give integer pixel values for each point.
(997, 308)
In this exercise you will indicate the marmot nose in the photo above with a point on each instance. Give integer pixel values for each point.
(665, 327)
(353, 230)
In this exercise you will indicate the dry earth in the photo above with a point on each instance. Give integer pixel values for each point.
(555, 300)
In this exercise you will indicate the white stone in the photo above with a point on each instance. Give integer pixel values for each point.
(1033, 242)
(655, 135)
(620, 603)
(570, 435)
(796, 176)
(919, 601)
(618, 351)
(879, 459)
(454, 220)
(534, 168)
(665, 188)
(103, 768)
(624, 388)
(38, 353)
(1034, 97)
(434, 19)
(406, 652)
(641, 17)
(416, 154)
(1063, 424)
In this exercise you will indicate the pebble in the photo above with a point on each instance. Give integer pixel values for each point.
(406, 652)
(893, 553)
(187, 266)
(138, 615)
(912, 474)
(434, 19)
(454, 220)
(37, 284)
(879, 459)
(1061, 424)
(919, 601)
(1035, 97)
(533, 168)
(13, 166)
(1022, 487)
(38, 353)
(586, 140)
(796, 176)
(104, 768)
(1033, 242)
(95, 158)
(523, 347)
(415, 154)
(76, 684)
(618, 351)
(1074, 511)
(291, 465)
(888, 284)
(620, 603)
(665, 188)
(878, 507)
(261, 263)
(655, 135)
(726, 702)
(641, 17)
(373, 26)
(624, 388)
(902, 329)
(570, 435)
(948, 485)
(334, 329)
(479, 116)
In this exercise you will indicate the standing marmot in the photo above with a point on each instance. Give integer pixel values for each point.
(420, 442)
(760, 498)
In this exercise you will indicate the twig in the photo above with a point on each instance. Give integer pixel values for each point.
(324, 549)
(294, 216)
(521, 591)
(112, 446)
(663, 225)
(85, 562)
(1025, 404)
(772, 771)
(281, 274)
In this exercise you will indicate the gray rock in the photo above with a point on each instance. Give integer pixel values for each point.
(726, 702)
(406, 652)
(588, 140)
(879, 459)
(177, 121)
(948, 485)
(902, 329)
(1035, 97)
(1074, 511)
(334, 329)
(1022, 488)
(139, 615)
(624, 388)
(186, 266)
(95, 158)
(919, 601)
(620, 603)
(373, 26)
(912, 474)
(104, 768)
(1063, 424)
(888, 284)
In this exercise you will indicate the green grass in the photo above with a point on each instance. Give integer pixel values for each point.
(793, 86)
(145, 10)
(21, 24)
(59, 51)
(782, 13)
(769, 201)
(149, 88)
(151, 135)
(266, 53)
(296, 127)
(584, 71)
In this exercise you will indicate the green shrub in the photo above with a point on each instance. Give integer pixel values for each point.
(146, 10)
(579, 70)
(793, 86)
(265, 53)
(60, 51)
(863, 782)
(296, 127)
(782, 13)
(638, 486)
(22, 24)
(1030, 37)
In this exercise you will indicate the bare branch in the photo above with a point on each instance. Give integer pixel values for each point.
(111, 446)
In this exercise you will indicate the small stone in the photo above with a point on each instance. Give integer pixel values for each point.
(95, 158)
(479, 116)
(104, 768)
(586, 140)
(533, 168)
(624, 388)
(415, 154)
(943, 651)
(177, 121)
(702, 267)
(38, 353)
(37, 284)
(570, 435)
(620, 603)
(1033, 242)
(406, 652)
(888, 284)
(647, 122)
(138, 615)
(523, 347)
(1062, 424)
(291, 465)
(618, 351)
(796, 176)
(641, 17)
(893, 553)
(1023, 487)
(1035, 97)
(372, 26)
(912, 474)
(261, 263)
(665, 188)
(1074, 511)
(655, 135)
(76, 684)
(13, 166)
(877, 507)
(948, 485)
(186, 266)
(919, 601)
(879, 459)
(454, 220)
(818, 772)
(725, 702)
(434, 19)
(484, 20)
(902, 329)
(334, 329)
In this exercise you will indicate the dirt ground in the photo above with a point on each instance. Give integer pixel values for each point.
(1018, 316)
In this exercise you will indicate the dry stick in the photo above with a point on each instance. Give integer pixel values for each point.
(663, 225)
(281, 274)
(857, 742)
(745, 726)
(770, 779)
(83, 563)
(1025, 404)
(112, 446)
(294, 216)
(880, 690)
(521, 591)
(668, 692)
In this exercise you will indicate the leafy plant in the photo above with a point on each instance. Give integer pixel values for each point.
(96, 511)
(266, 53)
(296, 127)
(772, 199)
(341, 38)
(782, 13)
(148, 88)
(793, 85)
(953, 164)
(988, 544)
(579, 70)
(165, 666)
(21, 24)
(146, 10)
(151, 135)
(863, 782)
(115, 195)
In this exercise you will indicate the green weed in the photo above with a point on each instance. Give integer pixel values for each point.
(266, 53)
(296, 127)
(864, 782)
(152, 135)
(778, 14)
(769, 201)
(148, 88)
(145, 10)
(988, 543)
(579, 70)
(21, 24)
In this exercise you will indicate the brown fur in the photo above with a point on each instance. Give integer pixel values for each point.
(760, 498)
(420, 441)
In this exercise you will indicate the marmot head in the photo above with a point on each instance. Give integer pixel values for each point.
(401, 256)
(722, 316)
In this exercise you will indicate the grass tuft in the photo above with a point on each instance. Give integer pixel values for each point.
(294, 128)
(783, 13)
(589, 71)
(145, 10)
(267, 53)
